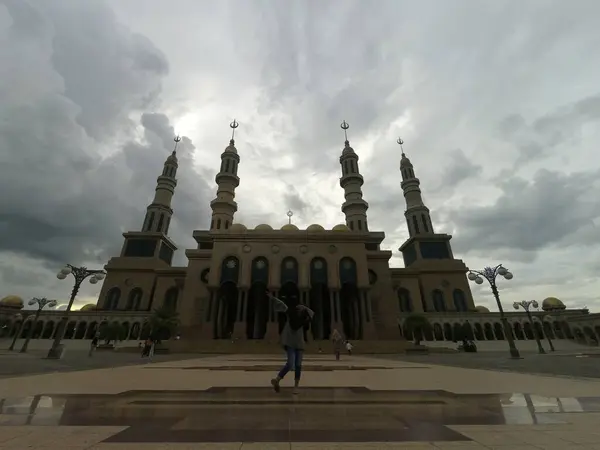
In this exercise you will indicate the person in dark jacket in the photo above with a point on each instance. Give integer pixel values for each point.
(292, 340)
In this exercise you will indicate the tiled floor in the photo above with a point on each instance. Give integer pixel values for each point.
(226, 403)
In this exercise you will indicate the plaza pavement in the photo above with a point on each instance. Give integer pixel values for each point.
(358, 402)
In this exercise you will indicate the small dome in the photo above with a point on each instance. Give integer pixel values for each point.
(238, 228)
(289, 227)
(481, 309)
(172, 158)
(315, 227)
(552, 303)
(12, 301)
(340, 227)
(347, 149)
(264, 227)
(88, 307)
(231, 147)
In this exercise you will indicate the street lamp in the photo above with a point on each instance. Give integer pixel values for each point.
(22, 318)
(548, 320)
(80, 274)
(490, 274)
(41, 304)
(526, 305)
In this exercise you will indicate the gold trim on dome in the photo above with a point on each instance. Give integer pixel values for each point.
(340, 227)
(289, 227)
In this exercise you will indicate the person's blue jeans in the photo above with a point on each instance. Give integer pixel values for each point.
(294, 362)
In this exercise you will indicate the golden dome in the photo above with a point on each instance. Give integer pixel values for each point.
(238, 228)
(88, 307)
(264, 227)
(551, 303)
(481, 309)
(315, 227)
(289, 227)
(340, 227)
(12, 301)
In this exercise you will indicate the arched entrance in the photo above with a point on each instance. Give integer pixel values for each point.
(289, 292)
(319, 300)
(350, 299)
(227, 298)
(257, 306)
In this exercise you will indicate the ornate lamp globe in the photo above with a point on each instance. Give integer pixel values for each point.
(534, 304)
(508, 275)
(472, 276)
(502, 271)
(478, 280)
(99, 276)
(61, 276)
(515, 305)
(66, 270)
(93, 280)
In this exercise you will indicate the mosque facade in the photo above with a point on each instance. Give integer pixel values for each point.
(342, 273)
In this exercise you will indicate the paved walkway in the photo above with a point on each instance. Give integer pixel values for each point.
(226, 402)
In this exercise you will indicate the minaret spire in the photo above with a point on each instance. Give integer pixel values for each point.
(159, 212)
(354, 208)
(417, 214)
(224, 206)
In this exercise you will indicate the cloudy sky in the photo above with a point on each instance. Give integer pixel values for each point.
(497, 101)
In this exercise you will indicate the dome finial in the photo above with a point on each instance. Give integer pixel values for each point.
(344, 126)
(290, 213)
(233, 125)
(400, 142)
(177, 140)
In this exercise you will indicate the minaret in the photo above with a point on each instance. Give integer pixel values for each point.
(354, 208)
(417, 214)
(224, 205)
(159, 212)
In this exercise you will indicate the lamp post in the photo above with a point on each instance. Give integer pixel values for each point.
(490, 274)
(80, 274)
(547, 319)
(41, 304)
(18, 332)
(526, 305)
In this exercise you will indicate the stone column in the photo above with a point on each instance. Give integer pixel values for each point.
(238, 326)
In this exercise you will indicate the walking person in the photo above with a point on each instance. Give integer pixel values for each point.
(152, 344)
(146, 349)
(292, 340)
(93, 345)
(337, 340)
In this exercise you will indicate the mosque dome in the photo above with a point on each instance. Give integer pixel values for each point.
(340, 227)
(552, 303)
(172, 158)
(481, 309)
(12, 301)
(238, 228)
(289, 227)
(264, 227)
(88, 307)
(315, 227)
(231, 147)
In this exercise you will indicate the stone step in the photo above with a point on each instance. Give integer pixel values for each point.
(242, 346)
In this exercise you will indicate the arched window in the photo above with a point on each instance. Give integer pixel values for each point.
(150, 221)
(346, 168)
(218, 224)
(134, 300)
(353, 166)
(227, 163)
(289, 271)
(460, 303)
(404, 300)
(424, 220)
(167, 226)
(171, 298)
(347, 270)
(112, 299)
(360, 225)
(212, 224)
(438, 300)
(160, 222)
(230, 269)
(227, 224)
(415, 224)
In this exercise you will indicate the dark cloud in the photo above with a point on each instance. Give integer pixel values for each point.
(553, 209)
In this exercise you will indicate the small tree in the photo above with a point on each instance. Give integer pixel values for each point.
(112, 332)
(417, 324)
(164, 322)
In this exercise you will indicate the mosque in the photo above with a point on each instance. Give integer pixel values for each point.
(342, 273)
